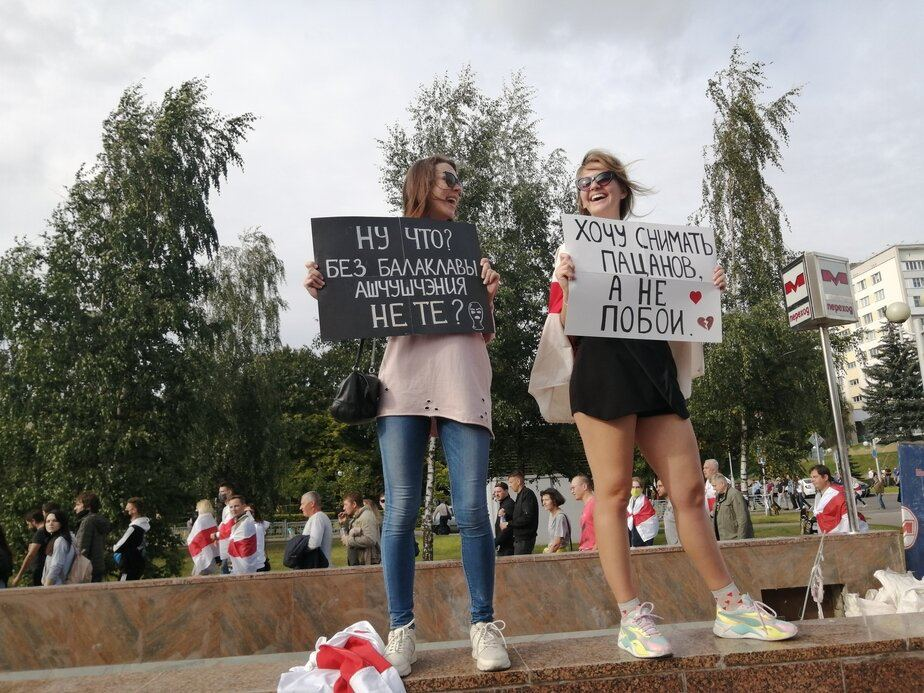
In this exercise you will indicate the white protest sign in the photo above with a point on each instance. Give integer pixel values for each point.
(641, 280)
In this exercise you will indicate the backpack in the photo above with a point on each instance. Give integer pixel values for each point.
(81, 570)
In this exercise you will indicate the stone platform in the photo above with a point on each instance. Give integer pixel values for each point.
(879, 653)
(226, 616)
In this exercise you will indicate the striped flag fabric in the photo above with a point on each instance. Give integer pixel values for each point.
(202, 548)
(351, 660)
(641, 514)
(242, 548)
(224, 532)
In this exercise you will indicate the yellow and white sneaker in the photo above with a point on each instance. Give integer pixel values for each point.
(639, 636)
(753, 620)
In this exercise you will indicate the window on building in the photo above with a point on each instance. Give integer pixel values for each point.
(851, 364)
(879, 295)
(861, 285)
(867, 319)
(880, 313)
(874, 352)
(876, 278)
(857, 399)
(855, 381)
(914, 265)
(917, 301)
(864, 302)
(917, 282)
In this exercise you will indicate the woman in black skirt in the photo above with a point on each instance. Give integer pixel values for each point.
(628, 392)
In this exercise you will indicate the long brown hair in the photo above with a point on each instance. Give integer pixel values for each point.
(419, 181)
(611, 163)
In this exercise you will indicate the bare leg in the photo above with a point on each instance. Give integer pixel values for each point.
(609, 446)
(669, 445)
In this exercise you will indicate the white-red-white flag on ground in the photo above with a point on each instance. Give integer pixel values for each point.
(242, 549)
(202, 548)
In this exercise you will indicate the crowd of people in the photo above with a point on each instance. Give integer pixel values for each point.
(72, 547)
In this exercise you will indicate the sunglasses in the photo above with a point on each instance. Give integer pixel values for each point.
(451, 179)
(600, 179)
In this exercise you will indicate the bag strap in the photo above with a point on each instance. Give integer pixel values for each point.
(359, 354)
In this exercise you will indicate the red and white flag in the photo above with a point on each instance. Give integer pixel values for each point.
(352, 660)
(641, 515)
(202, 547)
(831, 512)
(224, 532)
(242, 548)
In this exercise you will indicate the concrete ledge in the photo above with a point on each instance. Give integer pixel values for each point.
(880, 653)
(218, 617)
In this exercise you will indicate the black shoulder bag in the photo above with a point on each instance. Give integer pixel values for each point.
(357, 400)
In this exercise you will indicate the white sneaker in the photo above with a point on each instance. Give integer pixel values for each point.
(401, 650)
(489, 647)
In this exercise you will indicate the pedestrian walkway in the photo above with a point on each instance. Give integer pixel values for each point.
(844, 654)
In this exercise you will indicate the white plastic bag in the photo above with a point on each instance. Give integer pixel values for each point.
(894, 585)
(912, 600)
(354, 657)
(855, 605)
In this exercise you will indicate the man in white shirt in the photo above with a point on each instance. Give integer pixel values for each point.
(318, 529)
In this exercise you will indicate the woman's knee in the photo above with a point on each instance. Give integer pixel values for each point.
(612, 500)
(473, 518)
(688, 497)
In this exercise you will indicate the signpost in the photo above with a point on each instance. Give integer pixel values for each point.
(641, 280)
(911, 481)
(818, 293)
(394, 276)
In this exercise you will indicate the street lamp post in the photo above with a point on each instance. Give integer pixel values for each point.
(900, 312)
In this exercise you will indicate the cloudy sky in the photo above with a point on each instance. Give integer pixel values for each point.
(326, 78)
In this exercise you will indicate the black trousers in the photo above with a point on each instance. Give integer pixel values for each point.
(523, 545)
(505, 550)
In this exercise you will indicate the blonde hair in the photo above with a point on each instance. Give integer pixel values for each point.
(611, 163)
(205, 507)
(419, 182)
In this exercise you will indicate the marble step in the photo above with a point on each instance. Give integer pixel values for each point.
(880, 653)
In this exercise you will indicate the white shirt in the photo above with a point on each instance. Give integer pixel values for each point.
(262, 528)
(320, 532)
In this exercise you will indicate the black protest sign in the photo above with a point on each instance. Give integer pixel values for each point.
(389, 276)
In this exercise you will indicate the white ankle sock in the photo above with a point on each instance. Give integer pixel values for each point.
(626, 607)
(728, 598)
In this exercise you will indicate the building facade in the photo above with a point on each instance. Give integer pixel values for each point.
(895, 274)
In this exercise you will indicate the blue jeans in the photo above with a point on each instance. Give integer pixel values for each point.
(403, 442)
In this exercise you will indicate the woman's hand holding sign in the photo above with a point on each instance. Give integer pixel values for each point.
(564, 274)
(718, 278)
(490, 278)
(313, 280)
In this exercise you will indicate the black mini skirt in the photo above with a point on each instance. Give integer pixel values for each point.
(615, 377)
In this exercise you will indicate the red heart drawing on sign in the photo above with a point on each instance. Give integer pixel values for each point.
(706, 322)
(695, 296)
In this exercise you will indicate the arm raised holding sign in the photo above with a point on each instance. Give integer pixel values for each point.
(436, 384)
(626, 392)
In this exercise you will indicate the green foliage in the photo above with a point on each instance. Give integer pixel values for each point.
(99, 322)
(764, 388)
(894, 396)
(514, 194)
(738, 203)
(236, 430)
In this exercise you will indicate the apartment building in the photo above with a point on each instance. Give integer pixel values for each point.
(895, 274)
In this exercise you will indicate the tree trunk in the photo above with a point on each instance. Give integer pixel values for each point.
(427, 538)
(744, 455)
